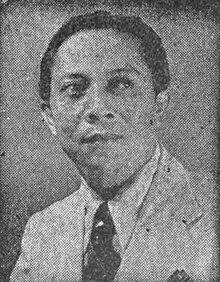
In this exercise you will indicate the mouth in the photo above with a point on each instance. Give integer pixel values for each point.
(97, 137)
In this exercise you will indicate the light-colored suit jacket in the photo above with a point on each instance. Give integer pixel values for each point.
(175, 230)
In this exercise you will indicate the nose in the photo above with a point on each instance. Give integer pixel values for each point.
(97, 110)
(96, 115)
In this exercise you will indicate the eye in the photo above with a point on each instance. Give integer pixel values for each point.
(72, 91)
(120, 83)
(75, 88)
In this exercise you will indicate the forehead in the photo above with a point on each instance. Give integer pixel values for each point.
(98, 47)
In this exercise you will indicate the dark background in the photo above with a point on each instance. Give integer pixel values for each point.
(34, 170)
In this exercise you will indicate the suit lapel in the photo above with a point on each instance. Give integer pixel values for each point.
(160, 243)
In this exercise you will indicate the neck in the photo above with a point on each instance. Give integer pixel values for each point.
(109, 181)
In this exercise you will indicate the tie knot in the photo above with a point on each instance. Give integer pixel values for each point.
(103, 226)
(102, 212)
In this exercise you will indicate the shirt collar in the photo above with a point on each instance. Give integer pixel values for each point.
(124, 208)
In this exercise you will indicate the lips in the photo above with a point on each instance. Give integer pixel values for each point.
(97, 137)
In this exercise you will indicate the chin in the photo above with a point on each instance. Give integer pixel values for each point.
(98, 161)
(96, 156)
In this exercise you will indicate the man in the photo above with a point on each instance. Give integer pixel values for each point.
(138, 215)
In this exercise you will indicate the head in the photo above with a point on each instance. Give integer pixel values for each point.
(103, 81)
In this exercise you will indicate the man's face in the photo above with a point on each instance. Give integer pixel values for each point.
(103, 102)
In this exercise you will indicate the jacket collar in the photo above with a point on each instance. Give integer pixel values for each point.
(171, 188)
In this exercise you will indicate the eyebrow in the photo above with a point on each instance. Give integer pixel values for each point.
(127, 68)
(74, 76)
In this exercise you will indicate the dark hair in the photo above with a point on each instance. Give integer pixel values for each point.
(152, 50)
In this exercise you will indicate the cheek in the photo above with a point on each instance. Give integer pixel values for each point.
(136, 112)
(67, 119)
(142, 120)
(144, 111)
(126, 107)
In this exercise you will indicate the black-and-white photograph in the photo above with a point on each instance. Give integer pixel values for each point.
(109, 133)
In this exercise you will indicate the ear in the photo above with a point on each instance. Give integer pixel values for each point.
(161, 102)
(48, 118)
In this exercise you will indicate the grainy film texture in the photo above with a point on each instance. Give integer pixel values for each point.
(109, 133)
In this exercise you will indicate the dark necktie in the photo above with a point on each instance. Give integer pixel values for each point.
(103, 261)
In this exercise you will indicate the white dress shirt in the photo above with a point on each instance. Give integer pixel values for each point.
(124, 207)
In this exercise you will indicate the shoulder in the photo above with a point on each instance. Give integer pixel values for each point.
(202, 186)
(58, 214)
(45, 233)
(201, 189)
(195, 207)
(195, 193)
(204, 189)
